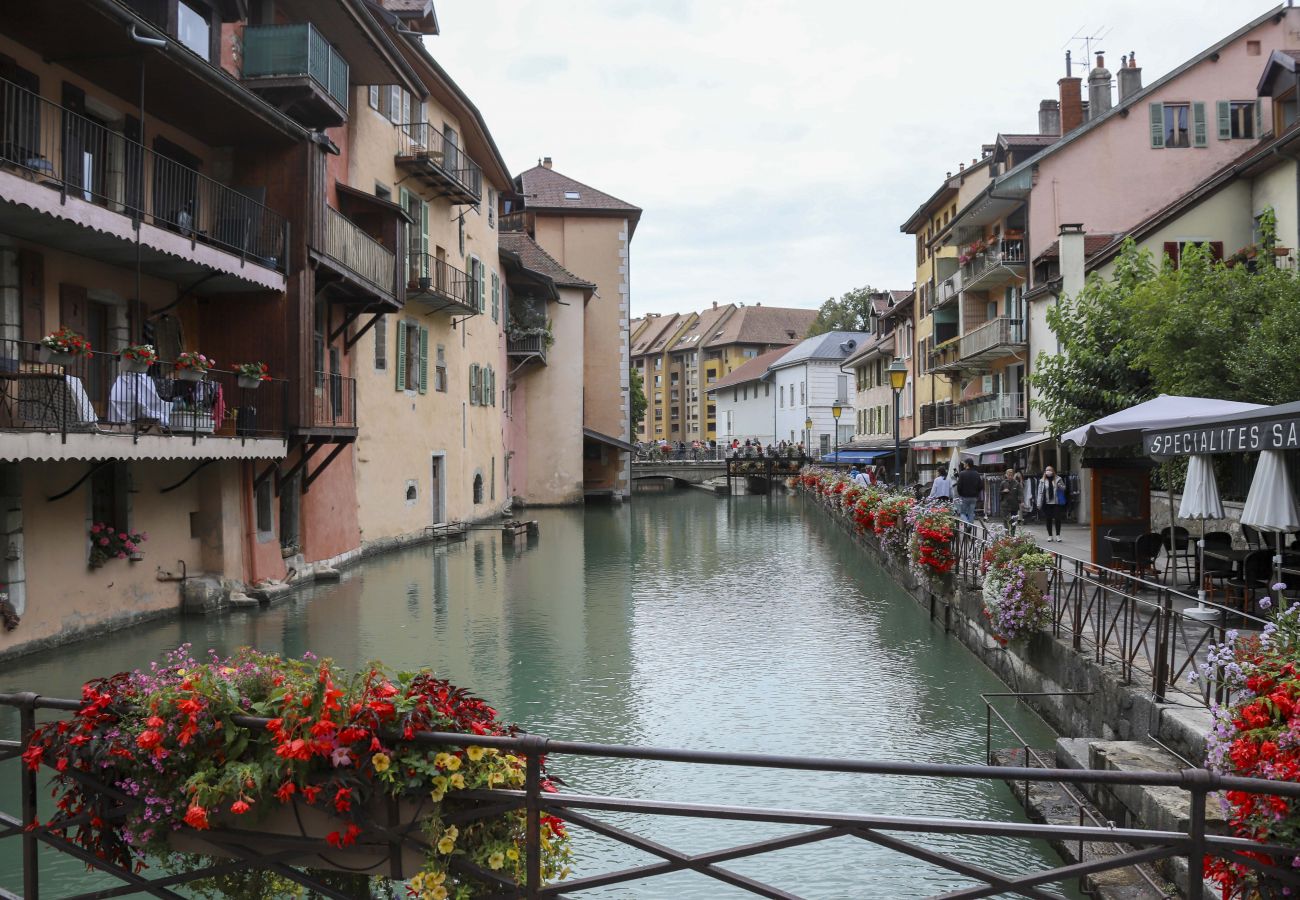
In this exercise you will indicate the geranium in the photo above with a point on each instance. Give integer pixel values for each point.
(1256, 734)
(65, 340)
(167, 740)
(890, 522)
(143, 353)
(195, 361)
(107, 542)
(933, 525)
(256, 370)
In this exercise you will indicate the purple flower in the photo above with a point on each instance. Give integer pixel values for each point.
(340, 757)
(1265, 603)
(1280, 586)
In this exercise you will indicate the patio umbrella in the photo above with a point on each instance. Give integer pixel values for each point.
(1200, 501)
(1166, 411)
(1270, 505)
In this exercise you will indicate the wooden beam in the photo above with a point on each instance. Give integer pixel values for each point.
(351, 316)
(309, 450)
(350, 342)
(338, 448)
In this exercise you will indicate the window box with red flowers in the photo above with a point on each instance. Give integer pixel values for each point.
(330, 756)
(137, 358)
(251, 375)
(193, 366)
(62, 347)
(108, 543)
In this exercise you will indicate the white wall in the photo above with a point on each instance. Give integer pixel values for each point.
(823, 381)
(745, 419)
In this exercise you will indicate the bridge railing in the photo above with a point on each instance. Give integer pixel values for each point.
(539, 800)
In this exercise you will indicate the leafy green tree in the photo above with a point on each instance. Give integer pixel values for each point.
(851, 312)
(637, 400)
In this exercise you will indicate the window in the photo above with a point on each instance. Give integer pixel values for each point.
(475, 373)
(262, 495)
(381, 343)
(194, 27)
(781, 395)
(572, 195)
(372, 96)
(395, 103)
(109, 489)
(1236, 120)
(440, 370)
(383, 191)
(1178, 125)
(492, 208)
(412, 492)
(803, 393)
(478, 487)
(412, 357)
(767, 390)
(1175, 250)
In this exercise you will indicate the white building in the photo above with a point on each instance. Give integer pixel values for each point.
(746, 400)
(808, 381)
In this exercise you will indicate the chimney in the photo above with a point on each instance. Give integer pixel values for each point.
(1049, 117)
(1099, 99)
(1130, 78)
(715, 304)
(546, 162)
(1071, 99)
(1071, 253)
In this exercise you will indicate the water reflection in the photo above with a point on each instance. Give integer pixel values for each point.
(740, 624)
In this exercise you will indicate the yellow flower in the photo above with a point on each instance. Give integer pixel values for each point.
(433, 879)
(441, 760)
(452, 832)
(381, 762)
(494, 778)
(417, 883)
(474, 753)
(438, 893)
(496, 860)
(458, 781)
(453, 763)
(512, 854)
(446, 845)
(436, 795)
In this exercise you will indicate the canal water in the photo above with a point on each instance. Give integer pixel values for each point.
(743, 624)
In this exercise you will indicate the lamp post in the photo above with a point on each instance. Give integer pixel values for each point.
(807, 441)
(835, 413)
(897, 380)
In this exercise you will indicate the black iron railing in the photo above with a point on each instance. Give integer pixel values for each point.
(84, 159)
(896, 833)
(424, 144)
(100, 393)
(334, 400)
(431, 277)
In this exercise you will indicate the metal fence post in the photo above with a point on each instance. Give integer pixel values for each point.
(31, 862)
(1198, 786)
(1164, 625)
(533, 747)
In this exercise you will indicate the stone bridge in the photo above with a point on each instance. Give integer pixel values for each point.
(686, 470)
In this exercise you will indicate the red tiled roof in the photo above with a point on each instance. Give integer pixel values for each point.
(547, 189)
(763, 325)
(532, 257)
(752, 370)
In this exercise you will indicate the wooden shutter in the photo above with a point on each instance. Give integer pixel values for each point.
(496, 297)
(1224, 116)
(1171, 251)
(1157, 126)
(381, 343)
(72, 307)
(424, 361)
(473, 384)
(1200, 131)
(401, 355)
(482, 289)
(31, 295)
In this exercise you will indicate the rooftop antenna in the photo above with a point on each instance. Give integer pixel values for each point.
(1088, 41)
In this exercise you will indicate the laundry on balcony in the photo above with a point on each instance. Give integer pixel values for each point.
(134, 397)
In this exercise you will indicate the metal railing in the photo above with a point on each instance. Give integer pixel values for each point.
(424, 143)
(285, 51)
(350, 247)
(947, 353)
(528, 345)
(990, 408)
(1000, 332)
(538, 799)
(431, 275)
(334, 400)
(938, 415)
(100, 393)
(84, 159)
(680, 454)
(1004, 253)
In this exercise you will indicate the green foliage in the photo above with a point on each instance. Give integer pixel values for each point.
(851, 312)
(637, 400)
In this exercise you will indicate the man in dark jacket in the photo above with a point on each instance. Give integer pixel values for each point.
(969, 486)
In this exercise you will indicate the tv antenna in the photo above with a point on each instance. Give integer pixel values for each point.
(1089, 42)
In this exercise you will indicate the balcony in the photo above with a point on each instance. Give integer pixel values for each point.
(992, 340)
(299, 72)
(365, 268)
(937, 415)
(334, 402)
(439, 287)
(991, 409)
(946, 357)
(92, 406)
(72, 183)
(1001, 264)
(530, 348)
(440, 165)
(949, 289)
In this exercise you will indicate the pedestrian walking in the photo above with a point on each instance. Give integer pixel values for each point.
(969, 485)
(1052, 498)
(1013, 488)
(941, 488)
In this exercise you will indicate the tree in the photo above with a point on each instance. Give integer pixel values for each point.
(637, 400)
(851, 312)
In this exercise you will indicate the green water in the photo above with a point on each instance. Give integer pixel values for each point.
(678, 620)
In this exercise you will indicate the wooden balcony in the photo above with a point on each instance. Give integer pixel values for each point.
(295, 69)
(365, 270)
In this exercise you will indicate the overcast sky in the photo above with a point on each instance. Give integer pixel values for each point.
(775, 146)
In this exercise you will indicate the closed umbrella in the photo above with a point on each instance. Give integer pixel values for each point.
(1270, 505)
(1200, 501)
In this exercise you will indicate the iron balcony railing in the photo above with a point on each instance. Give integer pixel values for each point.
(286, 51)
(948, 290)
(100, 393)
(432, 281)
(991, 408)
(1001, 254)
(944, 356)
(990, 336)
(84, 159)
(528, 345)
(938, 415)
(334, 400)
(421, 144)
(359, 253)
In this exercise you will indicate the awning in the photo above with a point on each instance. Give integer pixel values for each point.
(44, 447)
(945, 437)
(856, 456)
(594, 435)
(992, 452)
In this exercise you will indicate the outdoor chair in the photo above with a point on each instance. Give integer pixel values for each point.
(1254, 540)
(1145, 550)
(1219, 570)
(1123, 557)
(1179, 548)
(1256, 576)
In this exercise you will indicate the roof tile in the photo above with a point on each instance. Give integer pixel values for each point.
(535, 259)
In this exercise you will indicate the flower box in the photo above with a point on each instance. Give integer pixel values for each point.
(133, 365)
(191, 375)
(190, 421)
(55, 358)
(249, 383)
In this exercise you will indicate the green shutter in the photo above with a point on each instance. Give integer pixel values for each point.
(424, 360)
(1200, 133)
(401, 355)
(487, 386)
(473, 384)
(1223, 111)
(496, 297)
(482, 288)
(1157, 126)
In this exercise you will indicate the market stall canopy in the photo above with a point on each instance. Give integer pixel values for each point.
(944, 437)
(1244, 431)
(992, 453)
(1126, 427)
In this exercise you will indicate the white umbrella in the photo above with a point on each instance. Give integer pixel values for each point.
(1270, 505)
(1200, 501)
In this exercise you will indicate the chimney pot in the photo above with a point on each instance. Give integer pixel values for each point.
(546, 162)
(1099, 98)
(961, 167)
(1071, 104)
(1132, 59)
(1049, 117)
(715, 304)
(1130, 78)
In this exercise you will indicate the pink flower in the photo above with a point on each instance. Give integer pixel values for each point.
(340, 757)
(121, 537)
(130, 547)
(103, 542)
(97, 528)
(144, 535)
(121, 555)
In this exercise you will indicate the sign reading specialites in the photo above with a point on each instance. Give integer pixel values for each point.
(1248, 437)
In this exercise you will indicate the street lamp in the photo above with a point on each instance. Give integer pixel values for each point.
(897, 379)
(807, 442)
(835, 413)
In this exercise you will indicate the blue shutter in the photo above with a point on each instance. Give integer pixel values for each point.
(1157, 126)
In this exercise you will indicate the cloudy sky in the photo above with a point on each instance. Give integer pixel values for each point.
(777, 145)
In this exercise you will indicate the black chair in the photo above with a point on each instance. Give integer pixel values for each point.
(1219, 570)
(1178, 547)
(1145, 550)
(1254, 540)
(1256, 575)
(1123, 554)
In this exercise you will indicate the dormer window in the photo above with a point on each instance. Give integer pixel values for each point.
(572, 195)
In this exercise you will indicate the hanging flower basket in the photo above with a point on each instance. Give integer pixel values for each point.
(249, 384)
(193, 366)
(137, 358)
(63, 346)
(54, 357)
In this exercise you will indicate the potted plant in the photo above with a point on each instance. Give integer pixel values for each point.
(63, 346)
(137, 358)
(108, 542)
(193, 366)
(252, 374)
